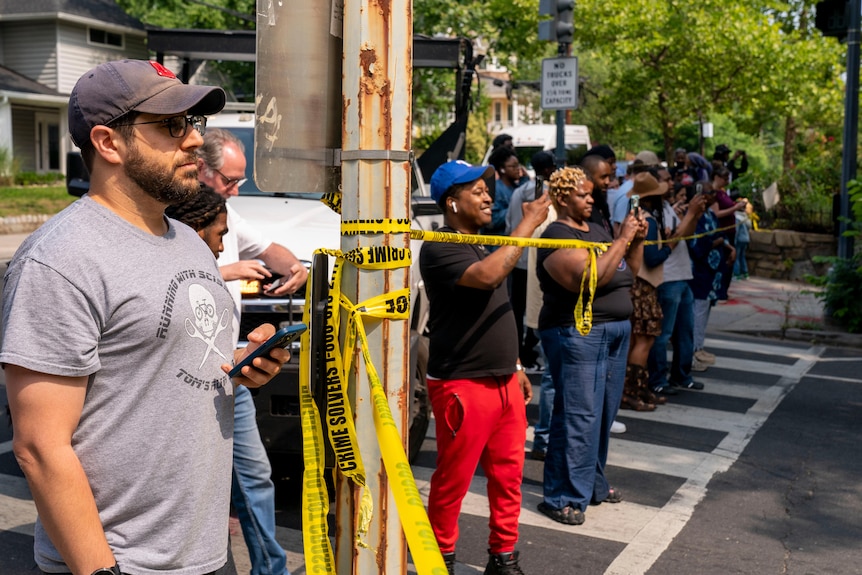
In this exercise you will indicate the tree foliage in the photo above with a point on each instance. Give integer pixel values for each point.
(193, 14)
(675, 61)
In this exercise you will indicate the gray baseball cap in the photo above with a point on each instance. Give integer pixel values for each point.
(113, 89)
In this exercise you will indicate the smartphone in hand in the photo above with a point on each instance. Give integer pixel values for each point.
(282, 338)
(634, 205)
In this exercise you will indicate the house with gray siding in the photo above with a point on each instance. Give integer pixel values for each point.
(45, 46)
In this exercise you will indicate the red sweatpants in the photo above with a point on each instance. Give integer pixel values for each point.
(478, 421)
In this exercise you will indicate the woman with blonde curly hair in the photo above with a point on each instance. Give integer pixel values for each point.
(588, 370)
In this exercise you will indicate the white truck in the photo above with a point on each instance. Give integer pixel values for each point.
(528, 139)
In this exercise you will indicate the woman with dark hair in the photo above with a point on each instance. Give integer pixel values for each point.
(712, 256)
(206, 213)
(510, 175)
(587, 370)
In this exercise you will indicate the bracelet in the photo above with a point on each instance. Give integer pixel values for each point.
(519, 367)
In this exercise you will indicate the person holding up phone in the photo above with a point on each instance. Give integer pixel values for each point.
(712, 256)
(221, 165)
(476, 384)
(123, 418)
(588, 371)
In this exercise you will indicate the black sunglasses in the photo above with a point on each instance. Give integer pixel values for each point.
(178, 126)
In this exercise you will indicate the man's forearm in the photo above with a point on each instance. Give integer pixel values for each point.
(67, 509)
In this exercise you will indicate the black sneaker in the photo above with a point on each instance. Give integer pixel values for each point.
(537, 454)
(692, 384)
(503, 564)
(449, 560)
(664, 390)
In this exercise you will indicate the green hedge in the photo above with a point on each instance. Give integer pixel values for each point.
(34, 179)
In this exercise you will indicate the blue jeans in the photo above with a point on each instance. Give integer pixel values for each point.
(253, 493)
(740, 265)
(702, 307)
(677, 306)
(588, 373)
(546, 406)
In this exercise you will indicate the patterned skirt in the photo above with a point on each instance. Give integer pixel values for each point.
(646, 317)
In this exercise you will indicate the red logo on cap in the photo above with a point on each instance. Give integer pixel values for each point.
(162, 71)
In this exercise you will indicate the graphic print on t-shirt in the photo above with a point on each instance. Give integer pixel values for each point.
(207, 323)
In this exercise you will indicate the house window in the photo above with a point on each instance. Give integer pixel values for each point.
(106, 38)
(498, 112)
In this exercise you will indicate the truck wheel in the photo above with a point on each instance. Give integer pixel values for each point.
(420, 408)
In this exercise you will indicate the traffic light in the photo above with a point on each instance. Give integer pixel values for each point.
(832, 17)
(560, 28)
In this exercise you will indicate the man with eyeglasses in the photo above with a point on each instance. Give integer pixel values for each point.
(117, 343)
(222, 165)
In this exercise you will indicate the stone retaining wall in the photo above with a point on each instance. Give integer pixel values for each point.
(21, 224)
(788, 255)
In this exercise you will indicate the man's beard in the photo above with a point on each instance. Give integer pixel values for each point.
(166, 186)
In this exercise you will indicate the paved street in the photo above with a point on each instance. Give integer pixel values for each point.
(757, 473)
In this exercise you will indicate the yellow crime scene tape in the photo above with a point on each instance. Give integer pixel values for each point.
(315, 529)
(414, 518)
(341, 430)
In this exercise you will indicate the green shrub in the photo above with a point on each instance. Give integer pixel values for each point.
(842, 291)
(8, 167)
(842, 284)
(34, 179)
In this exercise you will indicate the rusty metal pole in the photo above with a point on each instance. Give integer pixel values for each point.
(377, 80)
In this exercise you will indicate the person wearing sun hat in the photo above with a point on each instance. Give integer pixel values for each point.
(651, 187)
(123, 408)
(476, 384)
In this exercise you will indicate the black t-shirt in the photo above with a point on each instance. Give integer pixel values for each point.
(472, 331)
(613, 301)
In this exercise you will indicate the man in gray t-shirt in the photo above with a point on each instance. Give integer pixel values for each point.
(117, 342)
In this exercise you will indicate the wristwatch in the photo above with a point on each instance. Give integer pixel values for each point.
(519, 367)
(115, 570)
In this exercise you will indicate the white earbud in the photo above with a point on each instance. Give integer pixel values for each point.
(454, 208)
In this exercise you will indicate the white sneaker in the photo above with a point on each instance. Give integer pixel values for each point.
(705, 357)
(697, 365)
(618, 427)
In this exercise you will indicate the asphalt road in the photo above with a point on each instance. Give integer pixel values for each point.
(757, 473)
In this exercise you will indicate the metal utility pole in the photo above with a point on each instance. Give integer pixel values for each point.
(376, 139)
(851, 122)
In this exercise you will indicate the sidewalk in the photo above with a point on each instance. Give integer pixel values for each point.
(778, 309)
(8, 244)
(757, 306)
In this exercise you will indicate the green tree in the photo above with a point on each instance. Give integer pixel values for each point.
(672, 62)
(193, 14)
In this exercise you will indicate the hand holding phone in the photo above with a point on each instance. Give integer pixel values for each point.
(282, 338)
(634, 205)
(275, 285)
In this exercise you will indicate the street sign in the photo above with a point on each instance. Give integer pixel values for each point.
(560, 83)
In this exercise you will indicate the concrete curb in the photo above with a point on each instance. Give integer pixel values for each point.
(22, 224)
(814, 337)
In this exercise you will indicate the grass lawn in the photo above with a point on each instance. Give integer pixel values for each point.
(33, 200)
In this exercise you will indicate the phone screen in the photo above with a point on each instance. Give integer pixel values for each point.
(538, 189)
(281, 338)
(634, 205)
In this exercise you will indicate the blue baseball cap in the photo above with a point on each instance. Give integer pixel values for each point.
(456, 172)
